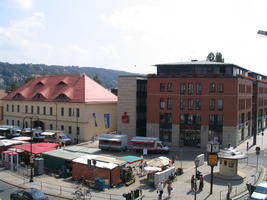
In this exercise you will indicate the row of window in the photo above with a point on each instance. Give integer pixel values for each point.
(262, 90)
(192, 88)
(187, 119)
(245, 104)
(51, 127)
(191, 104)
(30, 109)
(245, 88)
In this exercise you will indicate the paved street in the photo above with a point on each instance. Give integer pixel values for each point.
(184, 159)
(6, 190)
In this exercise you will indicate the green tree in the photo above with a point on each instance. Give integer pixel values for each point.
(219, 58)
(210, 56)
(96, 79)
(215, 58)
(28, 79)
(12, 87)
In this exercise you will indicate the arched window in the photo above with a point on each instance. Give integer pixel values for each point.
(38, 96)
(62, 97)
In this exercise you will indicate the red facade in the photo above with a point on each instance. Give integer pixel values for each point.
(112, 176)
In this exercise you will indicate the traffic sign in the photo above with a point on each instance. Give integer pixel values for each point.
(212, 159)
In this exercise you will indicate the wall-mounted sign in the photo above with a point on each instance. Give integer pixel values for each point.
(125, 118)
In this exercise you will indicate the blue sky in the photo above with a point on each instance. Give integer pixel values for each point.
(132, 35)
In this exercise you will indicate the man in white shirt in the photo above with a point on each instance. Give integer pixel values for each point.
(160, 189)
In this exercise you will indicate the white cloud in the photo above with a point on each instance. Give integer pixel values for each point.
(172, 31)
(24, 3)
(22, 29)
(23, 38)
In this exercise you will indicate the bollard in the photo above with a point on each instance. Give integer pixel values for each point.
(60, 190)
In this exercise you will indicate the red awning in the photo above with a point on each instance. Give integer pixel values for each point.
(47, 144)
(36, 147)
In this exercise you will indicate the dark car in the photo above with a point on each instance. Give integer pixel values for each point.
(28, 194)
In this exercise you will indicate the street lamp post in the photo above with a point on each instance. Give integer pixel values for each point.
(31, 159)
(213, 149)
(262, 134)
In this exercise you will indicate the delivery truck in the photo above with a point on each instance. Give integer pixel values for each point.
(56, 136)
(151, 144)
(10, 131)
(113, 142)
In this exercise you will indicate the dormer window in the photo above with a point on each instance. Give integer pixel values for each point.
(61, 83)
(39, 83)
(38, 96)
(62, 97)
(18, 96)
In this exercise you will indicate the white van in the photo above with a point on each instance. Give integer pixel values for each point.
(10, 131)
(260, 192)
(36, 134)
(56, 136)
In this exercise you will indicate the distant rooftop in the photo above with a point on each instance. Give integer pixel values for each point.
(199, 63)
(67, 88)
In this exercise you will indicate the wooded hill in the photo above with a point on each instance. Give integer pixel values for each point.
(16, 74)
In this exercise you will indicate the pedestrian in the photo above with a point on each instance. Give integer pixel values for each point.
(229, 191)
(169, 188)
(201, 183)
(160, 189)
(192, 183)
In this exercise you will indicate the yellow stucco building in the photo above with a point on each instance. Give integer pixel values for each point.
(73, 103)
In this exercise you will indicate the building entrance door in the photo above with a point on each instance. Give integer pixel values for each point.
(192, 138)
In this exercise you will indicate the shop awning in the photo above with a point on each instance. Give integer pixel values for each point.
(131, 159)
(22, 138)
(159, 162)
(8, 142)
(64, 154)
(36, 148)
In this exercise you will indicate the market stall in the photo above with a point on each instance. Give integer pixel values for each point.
(59, 161)
(92, 166)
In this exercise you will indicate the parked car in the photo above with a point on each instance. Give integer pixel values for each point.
(260, 192)
(28, 194)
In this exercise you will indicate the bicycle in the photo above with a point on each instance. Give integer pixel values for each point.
(82, 194)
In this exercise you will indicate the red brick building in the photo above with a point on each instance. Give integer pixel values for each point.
(188, 104)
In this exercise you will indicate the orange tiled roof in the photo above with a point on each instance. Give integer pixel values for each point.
(67, 88)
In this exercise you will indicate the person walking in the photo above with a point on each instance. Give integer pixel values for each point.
(169, 189)
(201, 183)
(160, 189)
(192, 183)
(229, 190)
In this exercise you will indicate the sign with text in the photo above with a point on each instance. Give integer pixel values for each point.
(212, 159)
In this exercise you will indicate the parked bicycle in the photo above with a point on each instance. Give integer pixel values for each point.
(82, 194)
